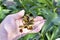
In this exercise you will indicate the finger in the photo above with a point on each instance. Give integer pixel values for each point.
(38, 18)
(38, 27)
(18, 15)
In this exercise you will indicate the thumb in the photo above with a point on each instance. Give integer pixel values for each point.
(18, 15)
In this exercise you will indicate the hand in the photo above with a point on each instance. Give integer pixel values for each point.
(9, 29)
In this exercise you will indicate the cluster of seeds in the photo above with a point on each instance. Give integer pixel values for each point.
(27, 22)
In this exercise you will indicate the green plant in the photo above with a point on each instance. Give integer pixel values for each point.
(45, 8)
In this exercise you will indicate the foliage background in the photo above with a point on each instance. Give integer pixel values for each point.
(49, 9)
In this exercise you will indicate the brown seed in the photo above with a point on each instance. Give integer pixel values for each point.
(21, 26)
(21, 30)
(30, 18)
(25, 26)
(30, 27)
(27, 22)
(26, 18)
(24, 22)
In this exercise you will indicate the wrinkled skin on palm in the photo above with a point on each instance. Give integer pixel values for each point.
(10, 26)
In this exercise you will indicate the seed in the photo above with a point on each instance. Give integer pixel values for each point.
(30, 27)
(25, 26)
(30, 18)
(21, 30)
(21, 26)
(26, 18)
(27, 23)
(24, 22)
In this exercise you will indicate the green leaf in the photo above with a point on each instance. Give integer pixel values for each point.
(57, 21)
(55, 32)
(42, 1)
(5, 11)
(58, 3)
(28, 36)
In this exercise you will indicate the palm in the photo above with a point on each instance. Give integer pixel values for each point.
(11, 26)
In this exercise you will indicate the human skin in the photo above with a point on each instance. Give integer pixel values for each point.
(9, 28)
